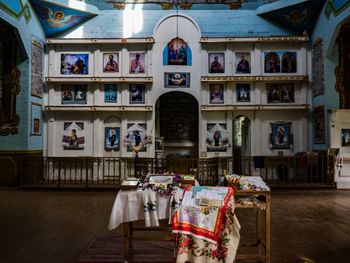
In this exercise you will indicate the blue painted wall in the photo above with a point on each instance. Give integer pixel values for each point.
(327, 28)
(28, 28)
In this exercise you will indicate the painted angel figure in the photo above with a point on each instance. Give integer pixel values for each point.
(57, 19)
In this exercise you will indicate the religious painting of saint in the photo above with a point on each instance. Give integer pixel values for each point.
(177, 52)
(345, 137)
(176, 80)
(137, 93)
(73, 136)
(216, 93)
(74, 64)
(73, 93)
(242, 63)
(216, 63)
(136, 138)
(273, 93)
(112, 138)
(137, 63)
(280, 93)
(110, 62)
(36, 119)
(217, 137)
(243, 92)
(281, 135)
(289, 62)
(287, 92)
(272, 62)
(110, 93)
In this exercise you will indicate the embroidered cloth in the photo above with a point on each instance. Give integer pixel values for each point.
(129, 206)
(150, 208)
(202, 222)
(194, 250)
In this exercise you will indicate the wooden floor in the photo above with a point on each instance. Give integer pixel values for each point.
(307, 226)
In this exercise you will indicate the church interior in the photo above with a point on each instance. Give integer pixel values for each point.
(175, 131)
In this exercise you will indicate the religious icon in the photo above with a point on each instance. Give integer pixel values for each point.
(345, 137)
(272, 62)
(177, 52)
(280, 92)
(110, 62)
(73, 138)
(110, 93)
(216, 62)
(74, 93)
(74, 64)
(177, 80)
(217, 139)
(242, 62)
(136, 137)
(281, 135)
(289, 62)
(216, 94)
(137, 93)
(36, 117)
(137, 63)
(112, 139)
(243, 92)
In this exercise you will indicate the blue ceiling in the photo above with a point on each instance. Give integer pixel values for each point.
(247, 4)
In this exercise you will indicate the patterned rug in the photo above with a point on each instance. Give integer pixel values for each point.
(110, 249)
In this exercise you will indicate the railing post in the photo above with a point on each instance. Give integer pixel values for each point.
(59, 172)
(87, 172)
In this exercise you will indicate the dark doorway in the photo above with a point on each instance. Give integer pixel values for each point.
(177, 123)
(241, 145)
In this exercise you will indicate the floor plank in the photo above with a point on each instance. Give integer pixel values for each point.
(48, 226)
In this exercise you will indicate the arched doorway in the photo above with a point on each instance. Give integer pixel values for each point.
(241, 144)
(177, 124)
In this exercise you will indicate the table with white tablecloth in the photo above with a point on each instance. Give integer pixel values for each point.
(129, 207)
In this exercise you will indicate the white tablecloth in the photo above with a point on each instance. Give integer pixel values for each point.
(128, 207)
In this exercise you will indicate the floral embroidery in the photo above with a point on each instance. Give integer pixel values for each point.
(149, 206)
(186, 244)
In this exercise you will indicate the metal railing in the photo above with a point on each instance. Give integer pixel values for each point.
(109, 172)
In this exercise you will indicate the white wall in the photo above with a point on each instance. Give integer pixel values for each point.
(163, 33)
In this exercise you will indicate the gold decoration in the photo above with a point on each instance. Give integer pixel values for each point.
(235, 5)
(304, 38)
(186, 5)
(254, 78)
(11, 126)
(166, 6)
(119, 6)
(339, 72)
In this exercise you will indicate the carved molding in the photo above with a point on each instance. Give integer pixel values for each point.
(304, 38)
(254, 78)
(11, 126)
(339, 73)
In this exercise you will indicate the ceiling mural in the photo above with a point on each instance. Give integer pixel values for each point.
(16, 8)
(300, 17)
(56, 19)
(336, 7)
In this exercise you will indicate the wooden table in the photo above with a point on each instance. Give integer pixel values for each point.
(262, 243)
(128, 208)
